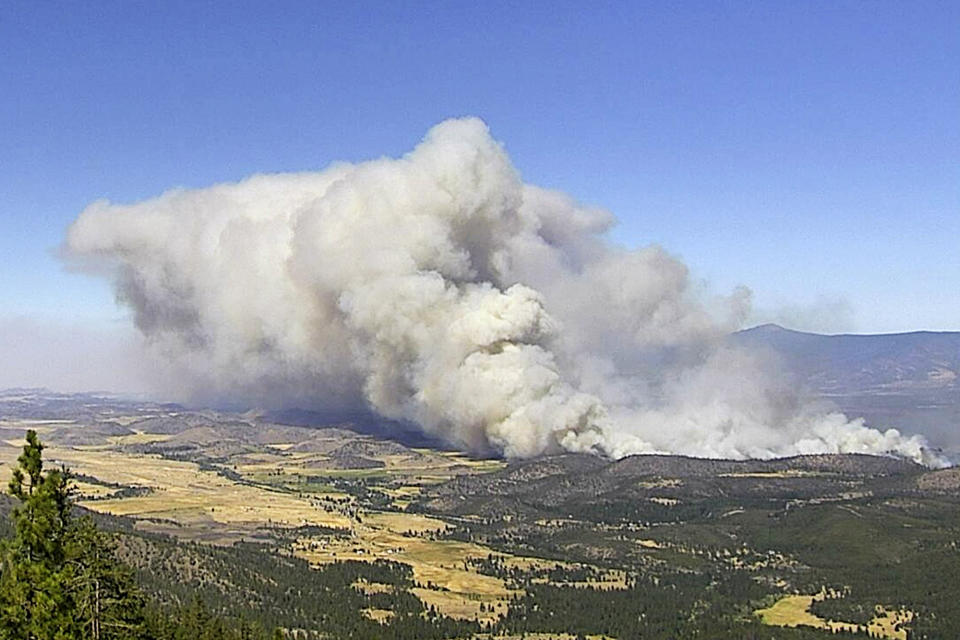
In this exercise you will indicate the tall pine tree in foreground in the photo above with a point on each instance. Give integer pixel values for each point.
(59, 580)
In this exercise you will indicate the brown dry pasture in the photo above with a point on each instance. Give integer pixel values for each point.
(200, 502)
(794, 611)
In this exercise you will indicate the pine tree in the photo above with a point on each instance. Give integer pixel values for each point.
(106, 598)
(59, 579)
(35, 599)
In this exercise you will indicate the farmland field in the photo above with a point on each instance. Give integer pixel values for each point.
(568, 546)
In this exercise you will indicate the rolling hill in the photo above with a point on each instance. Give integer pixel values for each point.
(903, 380)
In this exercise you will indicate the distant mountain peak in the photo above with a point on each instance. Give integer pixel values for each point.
(771, 331)
(768, 327)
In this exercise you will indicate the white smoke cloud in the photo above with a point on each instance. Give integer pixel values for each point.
(440, 289)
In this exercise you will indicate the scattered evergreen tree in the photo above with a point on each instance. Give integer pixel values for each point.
(59, 578)
(107, 601)
(35, 584)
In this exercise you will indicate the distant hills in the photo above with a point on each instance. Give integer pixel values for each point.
(909, 381)
(847, 362)
(580, 485)
(903, 380)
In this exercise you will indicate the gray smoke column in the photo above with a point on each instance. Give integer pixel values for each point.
(439, 289)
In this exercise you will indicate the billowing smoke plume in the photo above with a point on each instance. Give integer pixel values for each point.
(440, 289)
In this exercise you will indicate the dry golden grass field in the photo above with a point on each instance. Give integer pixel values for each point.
(794, 611)
(195, 503)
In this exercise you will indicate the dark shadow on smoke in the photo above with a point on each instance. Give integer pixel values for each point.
(364, 422)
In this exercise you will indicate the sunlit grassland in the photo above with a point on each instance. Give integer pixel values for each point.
(794, 611)
(284, 489)
(441, 567)
(182, 492)
(382, 616)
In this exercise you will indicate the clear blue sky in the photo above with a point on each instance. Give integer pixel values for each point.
(810, 150)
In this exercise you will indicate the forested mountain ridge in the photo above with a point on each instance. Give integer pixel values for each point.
(908, 381)
(844, 363)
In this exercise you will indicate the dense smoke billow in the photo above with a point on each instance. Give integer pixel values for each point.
(439, 289)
